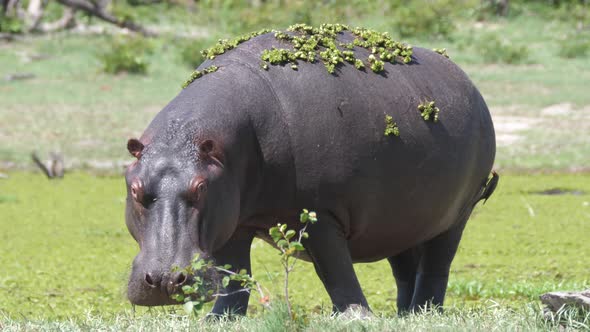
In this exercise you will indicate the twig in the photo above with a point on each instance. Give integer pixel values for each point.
(258, 286)
(41, 165)
(19, 77)
(528, 206)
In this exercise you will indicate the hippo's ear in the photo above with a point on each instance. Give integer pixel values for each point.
(135, 147)
(209, 149)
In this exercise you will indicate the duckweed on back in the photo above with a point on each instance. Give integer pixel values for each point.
(307, 41)
(429, 111)
(224, 45)
(198, 74)
(310, 44)
(390, 126)
(441, 51)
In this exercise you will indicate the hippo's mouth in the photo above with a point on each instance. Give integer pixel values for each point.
(149, 297)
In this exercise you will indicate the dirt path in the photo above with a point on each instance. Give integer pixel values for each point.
(511, 125)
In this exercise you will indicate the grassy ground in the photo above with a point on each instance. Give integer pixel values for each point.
(72, 106)
(66, 250)
(528, 318)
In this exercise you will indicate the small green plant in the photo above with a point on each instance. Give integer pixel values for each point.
(198, 74)
(288, 241)
(441, 51)
(429, 111)
(390, 126)
(494, 50)
(126, 54)
(204, 288)
(196, 295)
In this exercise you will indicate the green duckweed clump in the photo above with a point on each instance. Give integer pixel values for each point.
(224, 45)
(308, 42)
(429, 111)
(278, 56)
(441, 51)
(390, 126)
(198, 74)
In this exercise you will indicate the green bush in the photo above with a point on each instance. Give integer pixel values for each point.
(495, 50)
(576, 46)
(126, 54)
(424, 18)
(11, 24)
(576, 13)
(190, 51)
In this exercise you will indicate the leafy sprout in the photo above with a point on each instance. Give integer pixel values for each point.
(429, 111)
(390, 126)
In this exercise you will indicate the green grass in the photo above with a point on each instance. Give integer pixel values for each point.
(66, 251)
(493, 318)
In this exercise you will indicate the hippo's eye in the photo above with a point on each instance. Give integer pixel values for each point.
(202, 187)
(198, 188)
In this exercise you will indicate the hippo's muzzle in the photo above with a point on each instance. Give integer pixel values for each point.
(153, 287)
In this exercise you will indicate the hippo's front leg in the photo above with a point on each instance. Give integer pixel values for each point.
(328, 248)
(236, 252)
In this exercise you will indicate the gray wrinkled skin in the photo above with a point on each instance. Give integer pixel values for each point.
(269, 143)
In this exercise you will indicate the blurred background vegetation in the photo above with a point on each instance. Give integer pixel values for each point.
(115, 63)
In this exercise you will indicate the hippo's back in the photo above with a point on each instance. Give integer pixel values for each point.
(392, 191)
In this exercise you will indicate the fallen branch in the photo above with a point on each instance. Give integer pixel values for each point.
(54, 168)
(18, 77)
(67, 21)
(98, 9)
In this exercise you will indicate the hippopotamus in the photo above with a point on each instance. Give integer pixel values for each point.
(243, 148)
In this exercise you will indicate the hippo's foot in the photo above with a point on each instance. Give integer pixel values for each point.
(356, 312)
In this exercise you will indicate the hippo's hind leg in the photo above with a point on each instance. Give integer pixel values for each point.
(405, 266)
(436, 256)
(328, 249)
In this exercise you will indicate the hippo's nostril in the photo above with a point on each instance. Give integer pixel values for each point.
(150, 281)
(180, 279)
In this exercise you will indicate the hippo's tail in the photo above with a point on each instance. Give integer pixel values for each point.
(488, 187)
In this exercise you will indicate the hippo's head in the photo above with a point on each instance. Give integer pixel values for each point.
(180, 202)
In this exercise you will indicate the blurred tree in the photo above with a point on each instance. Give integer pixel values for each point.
(32, 16)
(499, 7)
